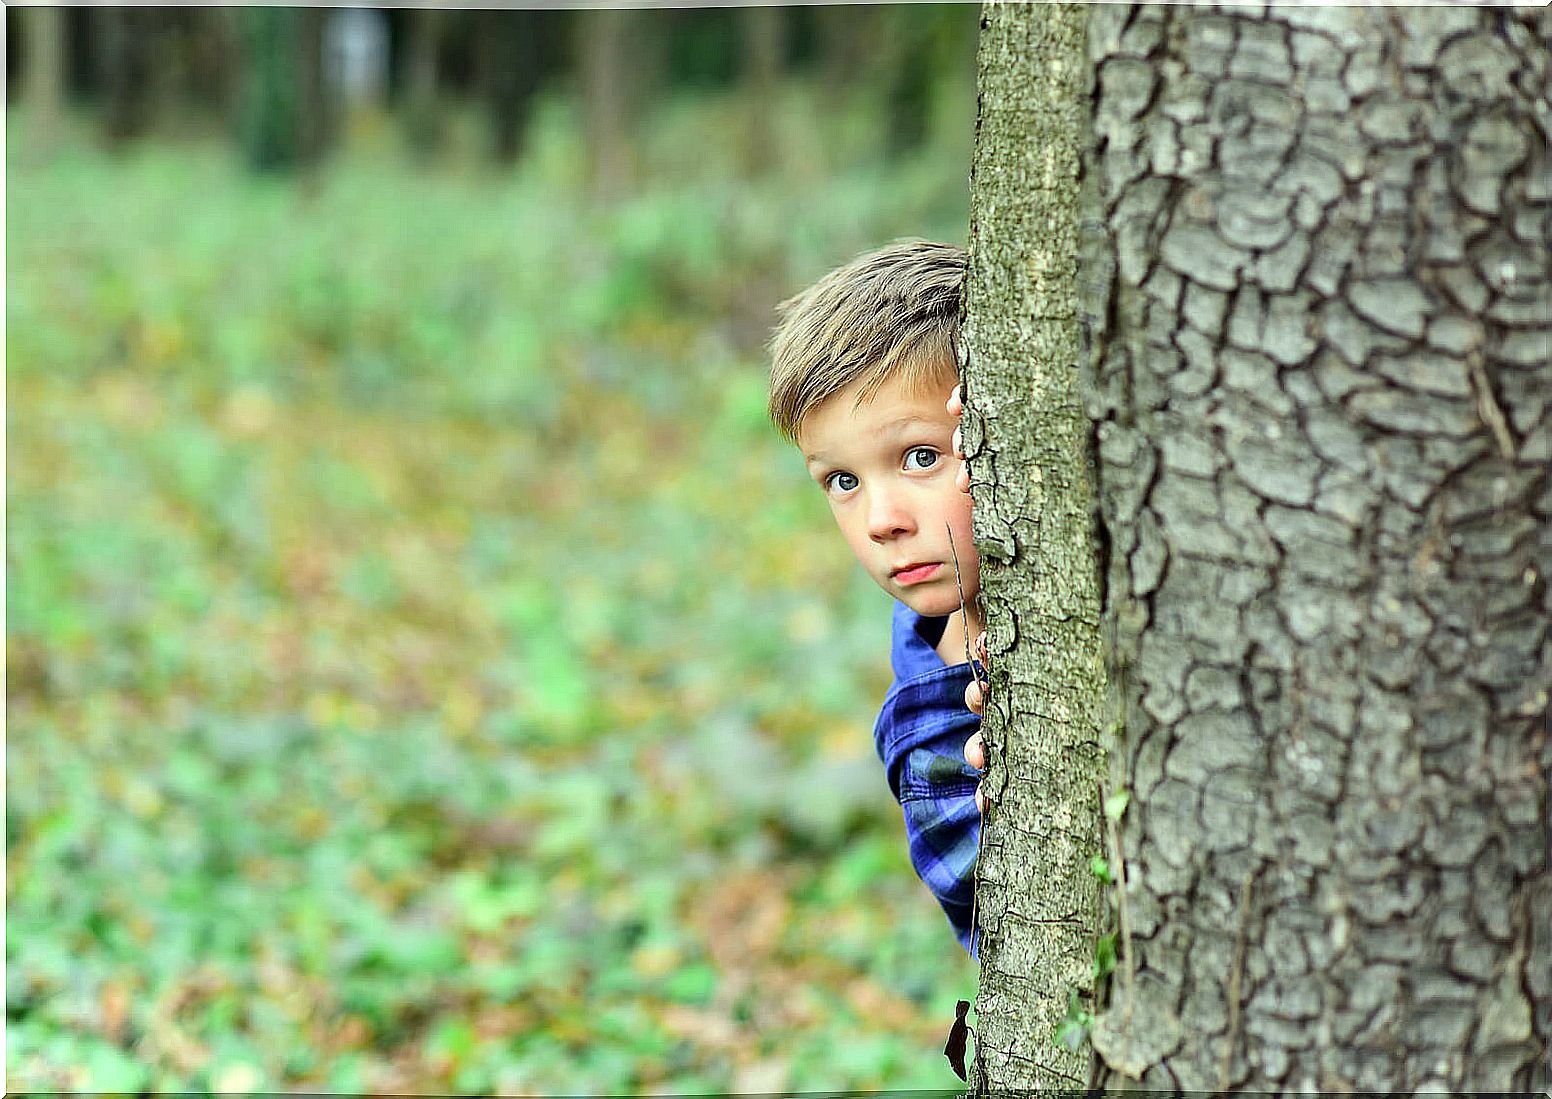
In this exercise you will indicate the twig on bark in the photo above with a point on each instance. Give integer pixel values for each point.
(1118, 861)
(1235, 975)
(1488, 408)
(964, 614)
(980, 835)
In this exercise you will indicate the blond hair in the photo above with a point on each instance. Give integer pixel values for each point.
(893, 312)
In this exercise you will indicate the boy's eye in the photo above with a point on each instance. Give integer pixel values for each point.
(840, 482)
(926, 455)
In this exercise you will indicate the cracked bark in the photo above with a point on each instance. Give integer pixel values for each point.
(1316, 292)
(1321, 303)
(1040, 906)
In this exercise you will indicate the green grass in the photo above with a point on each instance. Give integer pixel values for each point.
(427, 670)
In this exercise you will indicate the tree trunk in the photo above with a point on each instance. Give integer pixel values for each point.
(1316, 292)
(270, 116)
(515, 50)
(1027, 439)
(43, 38)
(123, 39)
(604, 34)
(213, 61)
(1320, 307)
(847, 37)
(424, 30)
(763, 31)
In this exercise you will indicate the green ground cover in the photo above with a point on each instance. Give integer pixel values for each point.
(427, 670)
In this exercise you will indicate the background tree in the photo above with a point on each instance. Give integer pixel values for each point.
(212, 62)
(424, 29)
(846, 38)
(763, 39)
(605, 73)
(1317, 300)
(515, 51)
(44, 92)
(124, 38)
(278, 113)
(316, 125)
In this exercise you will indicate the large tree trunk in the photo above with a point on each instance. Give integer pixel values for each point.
(1045, 727)
(1316, 298)
(1321, 386)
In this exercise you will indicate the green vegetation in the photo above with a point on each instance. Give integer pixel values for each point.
(427, 669)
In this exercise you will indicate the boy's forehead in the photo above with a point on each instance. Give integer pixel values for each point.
(886, 411)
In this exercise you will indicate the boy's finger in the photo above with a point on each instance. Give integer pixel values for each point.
(959, 444)
(956, 402)
(962, 478)
(973, 699)
(980, 801)
(975, 752)
(980, 647)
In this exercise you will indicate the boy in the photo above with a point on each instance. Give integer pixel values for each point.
(860, 363)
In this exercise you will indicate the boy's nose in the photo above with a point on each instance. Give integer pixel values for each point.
(887, 518)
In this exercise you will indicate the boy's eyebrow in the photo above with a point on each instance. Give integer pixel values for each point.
(906, 421)
(884, 428)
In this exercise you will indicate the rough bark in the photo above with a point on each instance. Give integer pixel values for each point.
(1320, 298)
(1027, 441)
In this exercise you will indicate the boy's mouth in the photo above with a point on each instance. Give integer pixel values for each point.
(912, 574)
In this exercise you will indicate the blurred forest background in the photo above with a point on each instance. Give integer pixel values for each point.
(427, 670)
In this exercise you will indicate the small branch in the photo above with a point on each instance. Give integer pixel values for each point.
(1488, 409)
(1235, 975)
(980, 836)
(1129, 964)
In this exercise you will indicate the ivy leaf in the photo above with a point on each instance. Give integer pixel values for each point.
(1071, 1035)
(1100, 866)
(1073, 1029)
(1104, 956)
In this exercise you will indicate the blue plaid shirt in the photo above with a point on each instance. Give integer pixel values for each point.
(920, 736)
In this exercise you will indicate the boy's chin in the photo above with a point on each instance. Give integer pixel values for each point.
(931, 604)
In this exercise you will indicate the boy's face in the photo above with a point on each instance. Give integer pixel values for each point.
(887, 468)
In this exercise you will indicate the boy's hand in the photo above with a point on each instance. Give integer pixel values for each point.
(975, 751)
(956, 408)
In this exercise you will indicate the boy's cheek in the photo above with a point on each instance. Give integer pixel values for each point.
(854, 544)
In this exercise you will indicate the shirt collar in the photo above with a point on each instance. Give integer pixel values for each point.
(913, 643)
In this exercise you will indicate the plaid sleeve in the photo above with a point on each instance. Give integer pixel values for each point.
(921, 734)
(942, 828)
